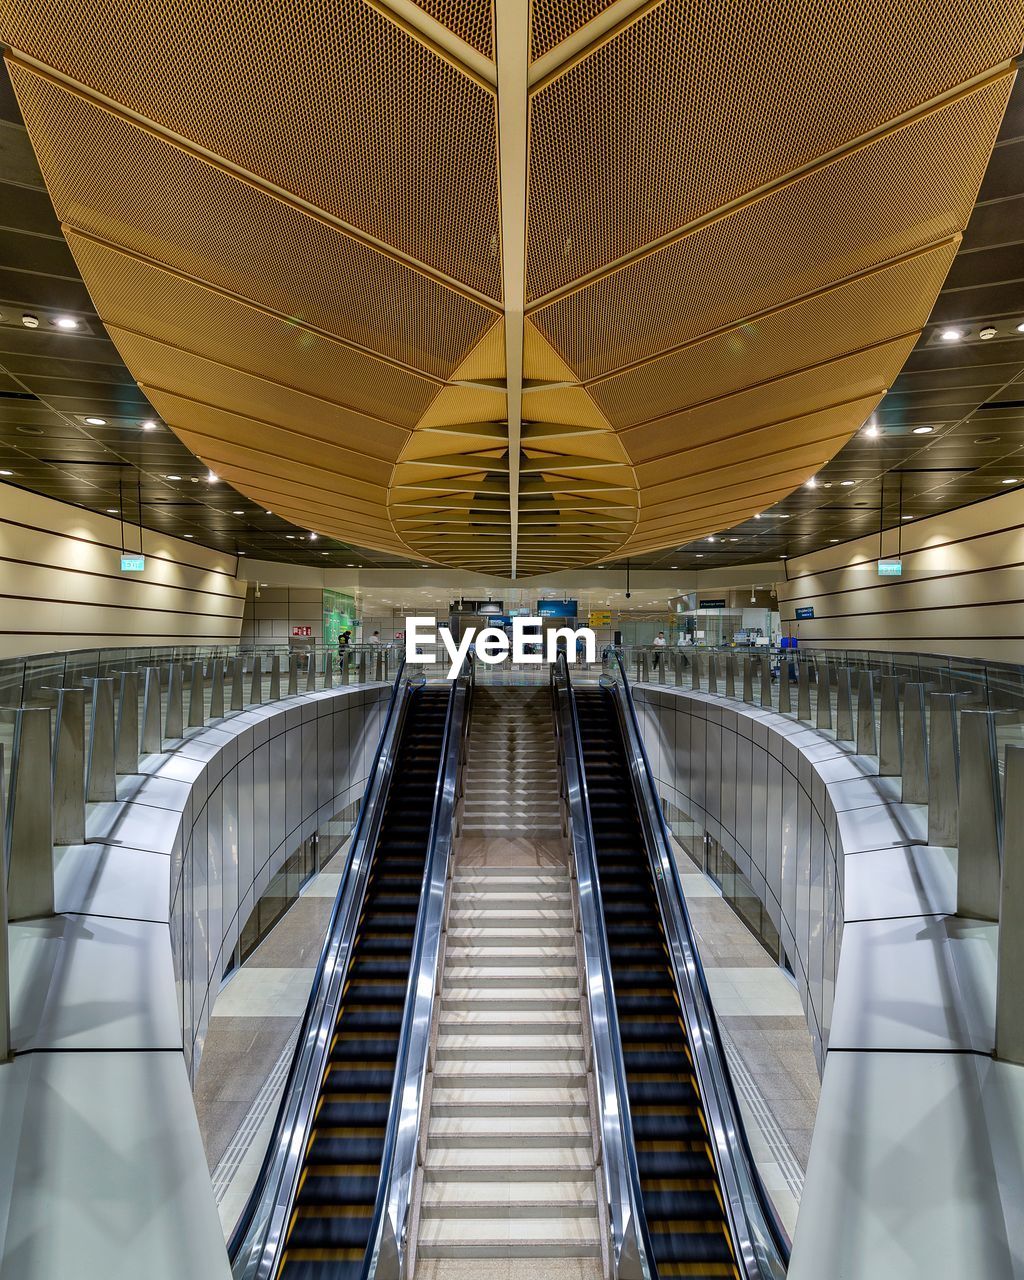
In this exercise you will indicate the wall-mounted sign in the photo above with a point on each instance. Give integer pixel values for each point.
(711, 604)
(556, 608)
(890, 568)
(132, 564)
(302, 631)
(601, 618)
(805, 611)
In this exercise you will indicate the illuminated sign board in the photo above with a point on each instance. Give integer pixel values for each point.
(556, 608)
(890, 568)
(710, 604)
(132, 564)
(805, 611)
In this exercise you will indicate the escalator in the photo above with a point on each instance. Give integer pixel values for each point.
(330, 1227)
(315, 1211)
(682, 1202)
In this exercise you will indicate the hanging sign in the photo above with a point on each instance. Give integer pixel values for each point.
(890, 568)
(710, 604)
(132, 564)
(600, 618)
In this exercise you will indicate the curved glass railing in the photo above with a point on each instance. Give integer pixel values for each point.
(255, 1246)
(762, 1247)
(385, 1256)
(630, 1246)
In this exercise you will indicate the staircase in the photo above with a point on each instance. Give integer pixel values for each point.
(511, 784)
(509, 1169)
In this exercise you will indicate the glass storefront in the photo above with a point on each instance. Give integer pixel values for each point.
(284, 889)
(713, 860)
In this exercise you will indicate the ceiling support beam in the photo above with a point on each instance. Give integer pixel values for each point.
(512, 36)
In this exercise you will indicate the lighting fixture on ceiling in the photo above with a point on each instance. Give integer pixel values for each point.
(1020, 327)
(238, 513)
(758, 516)
(950, 335)
(734, 539)
(350, 566)
(291, 536)
(242, 553)
(269, 513)
(1011, 480)
(188, 535)
(812, 483)
(833, 539)
(212, 477)
(986, 333)
(986, 439)
(30, 321)
(700, 555)
(6, 473)
(846, 483)
(923, 431)
(149, 425)
(172, 477)
(66, 322)
(906, 517)
(710, 539)
(111, 511)
(96, 422)
(313, 537)
(783, 557)
(871, 431)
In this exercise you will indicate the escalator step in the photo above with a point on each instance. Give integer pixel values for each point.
(344, 1151)
(357, 1189)
(332, 1230)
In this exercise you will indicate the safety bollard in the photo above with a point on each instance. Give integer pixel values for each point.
(152, 741)
(823, 698)
(890, 735)
(196, 696)
(915, 746)
(293, 675)
(981, 816)
(785, 698)
(695, 671)
(275, 678)
(126, 746)
(29, 829)
(678, 668)
(174, 724)
(100, 778)
(867, 744)
(844, 706)
(943, 769)
(68, 769)
(378, 666)
(712, 672)
(362, 667)
(311, 672)
(256, 684)
(766, 680)
(328, 670)
(237, 683)
(217, 689)
(748, 679)
(803, 690)
(730, 675)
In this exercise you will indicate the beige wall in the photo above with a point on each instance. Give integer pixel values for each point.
(61, 585)
(269, 620)
(961, 592)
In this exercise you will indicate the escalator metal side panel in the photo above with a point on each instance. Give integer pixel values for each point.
(257, 1241)
(762, 1246)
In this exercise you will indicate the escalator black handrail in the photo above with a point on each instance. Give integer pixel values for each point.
(259, 1235)
(761, 1243)
(388, 1229)
(632, 1253)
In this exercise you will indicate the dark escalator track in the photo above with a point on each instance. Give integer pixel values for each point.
(681, 1197)
(330, 1225)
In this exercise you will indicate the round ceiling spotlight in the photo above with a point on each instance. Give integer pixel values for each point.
(1020, 327)
(172, 477)
(238, 513)
(923, 431)
(30, 321)
(6, 473)
(66, 322)
(1011, 480)
(846, 483)
(986, 333)
(149, 425)
(871, 431)
(96, 422)
(30, 431)
(950, 335)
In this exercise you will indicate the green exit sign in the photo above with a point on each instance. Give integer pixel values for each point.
(890, 568)
(133, 564)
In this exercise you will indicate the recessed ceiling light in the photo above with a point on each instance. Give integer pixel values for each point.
(846, 483)
(66, 322)
(923, 431)
(700, 555)
(212, 477)
(269, 513)
(906, 517)
(238, 513)
(783, 557)
(673, 566)
(812, 483)
(172, 477)
(30, 431)
(188, 535)
(833, 539)
(734, 539)
(149, 425)
(871, 431)
(313, 537)
(243, 553)
(758, 516)
(350, 566)
(6, 473)
(111, 511)
(950, 335)
(30, 321)
(1020, 327)
(324, 553)
(96, 422)
(710, 539)
(986, 333)
(1011, 480)
(290, 535)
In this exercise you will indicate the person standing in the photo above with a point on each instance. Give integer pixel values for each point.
(659, 643)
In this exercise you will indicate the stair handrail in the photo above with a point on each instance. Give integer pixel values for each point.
(632, 1255)
(388, 1238)
(258, 1239)
(759, 1238)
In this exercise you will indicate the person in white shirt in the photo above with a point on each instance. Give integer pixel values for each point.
(659, 643)
(375, 638)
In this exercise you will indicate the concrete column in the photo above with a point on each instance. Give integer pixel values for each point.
(867, 744)
(766, 680)
(100, 779)
(1010, 964)
(943, 769)
(196, 696)
(29, 830)
(981, 817)
(68, 769)
(275, 678)
(915, 746)
(803, 689)
(152, 742)
(730, 675)
(890, 736)
(844, 706)
(217, 689)
(748, 679)
(174, 725)
(311, 672)
(126, 749)
(293, 675)
(256, 684)
(823, 700)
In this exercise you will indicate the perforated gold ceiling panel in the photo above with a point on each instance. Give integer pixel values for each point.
(707, 242)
